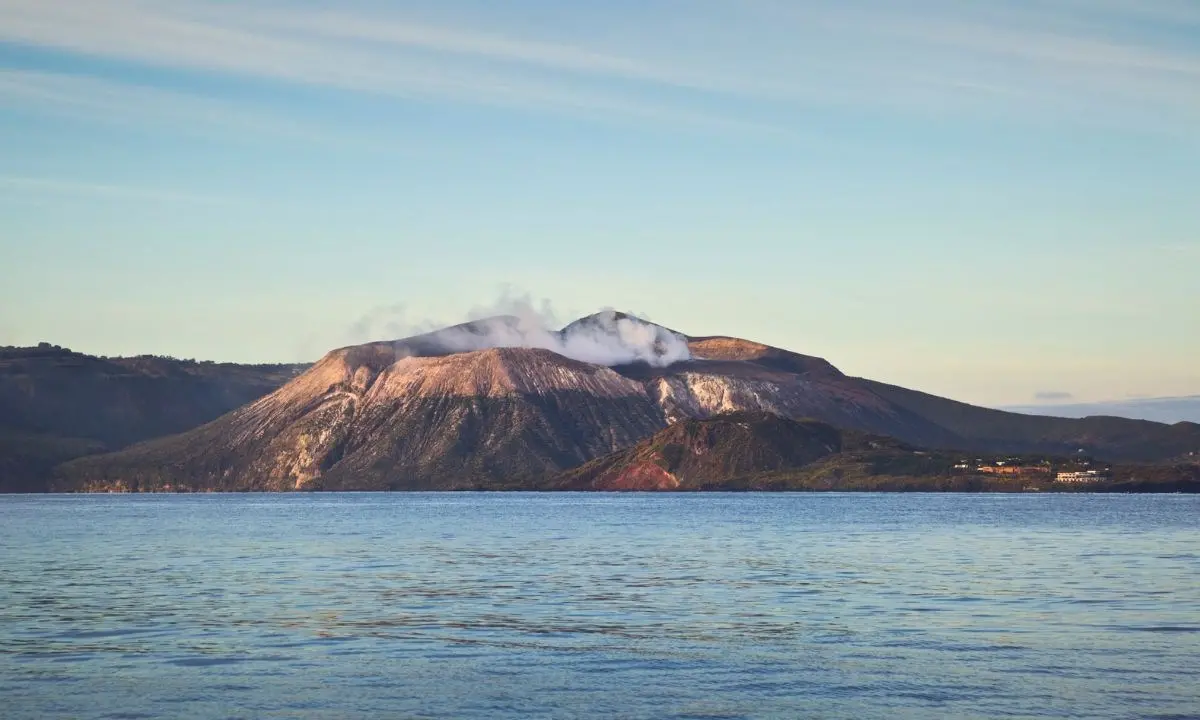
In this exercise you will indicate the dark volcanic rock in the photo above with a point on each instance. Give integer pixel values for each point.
(119, 401)
(695, 453)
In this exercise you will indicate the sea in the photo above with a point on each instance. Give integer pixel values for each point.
(516, 605)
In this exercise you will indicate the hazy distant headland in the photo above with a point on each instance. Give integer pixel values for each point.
(1167, 410)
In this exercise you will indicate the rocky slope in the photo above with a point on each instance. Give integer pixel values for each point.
(501, 402)
(362, 419)
(729, 374)
(695, 453)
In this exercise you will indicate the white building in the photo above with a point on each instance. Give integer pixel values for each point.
(1084, 476)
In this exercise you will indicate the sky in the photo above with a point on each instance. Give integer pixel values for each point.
(993, 201)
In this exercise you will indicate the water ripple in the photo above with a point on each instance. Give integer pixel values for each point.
(516, 605)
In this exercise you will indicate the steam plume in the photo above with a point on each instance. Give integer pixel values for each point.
(606, 338)
(602, 339)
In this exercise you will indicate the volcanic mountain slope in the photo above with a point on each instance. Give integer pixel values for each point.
(729, 374)
(362, 419)
(501, 401)
(56, 404)
(433, 412)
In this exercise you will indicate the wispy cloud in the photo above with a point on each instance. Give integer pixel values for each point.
(121, 102)
(347, 51)
(42, 186)
(724, 64)
(93, 99)
(1025, 60)
(422, 36)
(1178, 12)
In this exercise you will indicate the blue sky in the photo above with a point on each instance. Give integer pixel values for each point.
(999, 202)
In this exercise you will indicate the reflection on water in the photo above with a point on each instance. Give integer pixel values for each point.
(528, 605)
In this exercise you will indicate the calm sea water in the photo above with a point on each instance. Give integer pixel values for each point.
(637, 606)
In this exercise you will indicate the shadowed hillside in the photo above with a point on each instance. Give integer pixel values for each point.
(56, 404)
(759, 451)
(1110, 438)
(694, 453)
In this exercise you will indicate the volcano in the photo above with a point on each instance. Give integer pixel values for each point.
(501, 402)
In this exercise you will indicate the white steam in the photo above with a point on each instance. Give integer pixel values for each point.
(606, 338)
(602, 339)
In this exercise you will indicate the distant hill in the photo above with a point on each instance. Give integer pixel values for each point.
(56, 404)
(1167, 410)
(1110, 438)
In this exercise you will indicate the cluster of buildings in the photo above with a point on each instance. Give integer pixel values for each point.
(1003, 467)
(1016, 469)
(1081, 476)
